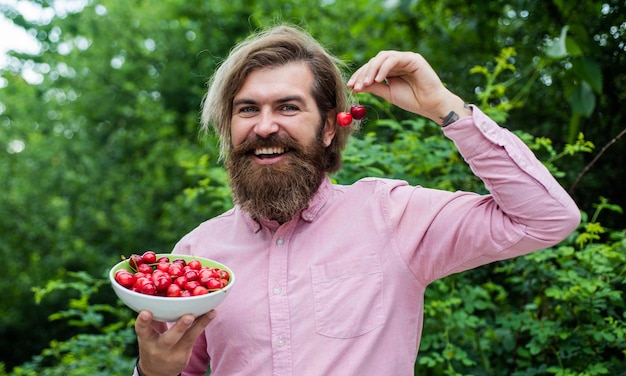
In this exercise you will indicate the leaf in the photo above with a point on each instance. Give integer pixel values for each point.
(583, 100)
(572, 47)
(556, 48)
(589, 70)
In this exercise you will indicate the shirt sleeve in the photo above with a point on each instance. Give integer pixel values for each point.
(440, 233)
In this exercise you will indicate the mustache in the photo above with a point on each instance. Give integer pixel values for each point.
(250, 144)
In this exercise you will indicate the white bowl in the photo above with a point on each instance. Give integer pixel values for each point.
(168, 309)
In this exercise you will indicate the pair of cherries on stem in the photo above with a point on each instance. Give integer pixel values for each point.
(357, 112)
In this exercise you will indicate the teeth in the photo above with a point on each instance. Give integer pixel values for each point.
(268, 151)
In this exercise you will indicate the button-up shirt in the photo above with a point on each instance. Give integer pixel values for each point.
(339, 289)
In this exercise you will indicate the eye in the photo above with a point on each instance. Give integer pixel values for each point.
(247, 111)
(288, 108)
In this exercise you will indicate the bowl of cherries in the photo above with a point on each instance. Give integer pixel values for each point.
(170, 285)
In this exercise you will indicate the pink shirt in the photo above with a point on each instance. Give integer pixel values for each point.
(339, 290)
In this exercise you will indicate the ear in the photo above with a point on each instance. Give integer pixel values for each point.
(330, 127)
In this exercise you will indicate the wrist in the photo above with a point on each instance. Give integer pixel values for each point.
(138, 368)
(451, 111)
(453, 116)
(140, 372)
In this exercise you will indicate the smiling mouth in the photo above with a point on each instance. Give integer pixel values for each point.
(269, 152)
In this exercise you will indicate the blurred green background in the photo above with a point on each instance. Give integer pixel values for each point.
(100, 156)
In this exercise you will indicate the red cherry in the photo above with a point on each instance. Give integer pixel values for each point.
(149, 257)
(139, 282)
(224, 274)
(200, 290)
(181, 281)
(180, 261)
(191, 275)
(206, 272)
(135, 260)
(162, 281)
(194, 264)
(216, 272)
(125, 278)
(176, 270)
(358, 112)
(214, 284)
(159, 273)
(190, 285)
(138, 275)
(163, 266)
(144, 268)
(174, 290)
(148, 288)
(204, 276)
(162, 284)
(344, 119)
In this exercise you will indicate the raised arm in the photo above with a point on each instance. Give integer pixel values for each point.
(527, 209)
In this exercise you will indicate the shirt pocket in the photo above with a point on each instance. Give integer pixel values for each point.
(348, 297)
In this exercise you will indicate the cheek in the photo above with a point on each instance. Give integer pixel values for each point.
(237, 132)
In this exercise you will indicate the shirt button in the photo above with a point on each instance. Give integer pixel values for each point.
(308, 216)
(276, 290)
(484, 127)
(279, 241)
(281, 341)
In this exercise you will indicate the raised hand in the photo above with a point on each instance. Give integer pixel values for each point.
(407, 80)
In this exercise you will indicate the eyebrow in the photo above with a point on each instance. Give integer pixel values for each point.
(291, 98)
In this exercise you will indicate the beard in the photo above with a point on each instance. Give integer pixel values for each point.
(279, 190)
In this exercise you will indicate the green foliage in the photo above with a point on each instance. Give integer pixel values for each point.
(544, 149)
(106, 346)
(494, 90)
(108, 126)
(100, 156)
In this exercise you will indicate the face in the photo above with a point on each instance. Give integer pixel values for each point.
(278, 100)
(279, 138)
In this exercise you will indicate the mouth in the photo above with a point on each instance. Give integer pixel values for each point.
(270, 152)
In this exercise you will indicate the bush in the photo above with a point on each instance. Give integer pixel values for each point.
(107, 344)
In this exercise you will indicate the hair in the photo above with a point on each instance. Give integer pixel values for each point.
(274, 47)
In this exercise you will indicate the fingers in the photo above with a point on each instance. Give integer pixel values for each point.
(147, 328)
(186, 330)
(384, 65)
(181, 334)
(394, 76)
(366, 75)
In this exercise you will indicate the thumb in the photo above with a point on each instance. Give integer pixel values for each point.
(146, 327)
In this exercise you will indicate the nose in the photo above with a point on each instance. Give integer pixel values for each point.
(266, 124)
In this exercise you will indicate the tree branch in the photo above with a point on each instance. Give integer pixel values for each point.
(595, 159)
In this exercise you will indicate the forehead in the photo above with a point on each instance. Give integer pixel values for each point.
(290, 79)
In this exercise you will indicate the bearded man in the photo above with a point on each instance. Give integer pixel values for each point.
(331, 278)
